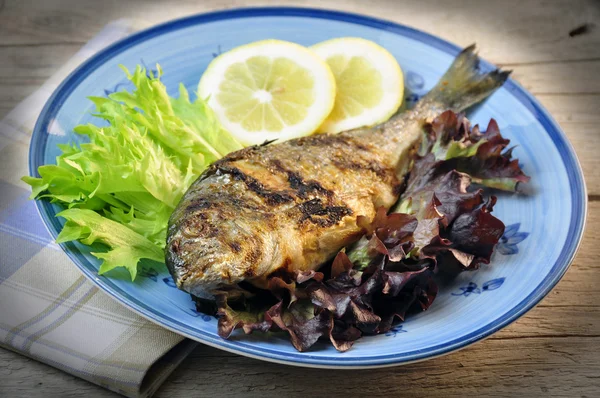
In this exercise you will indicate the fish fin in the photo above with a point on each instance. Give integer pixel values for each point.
(463, 84)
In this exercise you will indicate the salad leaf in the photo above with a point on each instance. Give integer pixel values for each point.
(133, 170)
(451, 144)
(126, 247)
(188, 131)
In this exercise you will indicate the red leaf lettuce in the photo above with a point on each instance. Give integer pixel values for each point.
(438, 226)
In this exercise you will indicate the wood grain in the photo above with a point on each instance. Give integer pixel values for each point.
(510, 31)
(535, 367)
(554, 350)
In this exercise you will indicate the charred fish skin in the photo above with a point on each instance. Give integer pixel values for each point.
(292, 206)
(287, 206)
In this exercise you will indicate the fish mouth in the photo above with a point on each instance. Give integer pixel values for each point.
(189, 279)
(201, 265)
(205, 285)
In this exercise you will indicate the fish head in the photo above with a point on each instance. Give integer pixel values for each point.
(210, 249)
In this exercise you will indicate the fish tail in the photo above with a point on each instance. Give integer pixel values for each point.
(463, 84)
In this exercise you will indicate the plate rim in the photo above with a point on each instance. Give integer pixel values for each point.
(579, 199)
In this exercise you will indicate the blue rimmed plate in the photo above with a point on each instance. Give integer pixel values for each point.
(543, 229)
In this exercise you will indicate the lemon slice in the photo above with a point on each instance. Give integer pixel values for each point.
(269, 90)
(370, 83)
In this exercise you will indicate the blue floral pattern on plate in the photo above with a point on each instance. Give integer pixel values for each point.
(414, 81)
(218, 52)
(414, 84)
(126, 84)
(510, 239)
(169, 282)
(148, 272)
(456, 322)
(203, 316)
(395, 330)
(471, 287)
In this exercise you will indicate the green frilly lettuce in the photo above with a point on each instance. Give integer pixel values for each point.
(120, 187)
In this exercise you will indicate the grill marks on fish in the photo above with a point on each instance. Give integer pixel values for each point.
(361, 165)
(277, 207)
(342, 142)
(272, 198)
(274, 175)
(316, 212)
(253, 255)
(272, 211)
(199, 203)
(302, 187)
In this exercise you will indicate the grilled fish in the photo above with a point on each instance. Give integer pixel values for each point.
(292, 206)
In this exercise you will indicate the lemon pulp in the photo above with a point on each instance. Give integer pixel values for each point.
(269, 90)
(369, 81)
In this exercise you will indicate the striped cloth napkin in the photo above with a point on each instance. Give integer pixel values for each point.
(48, 310)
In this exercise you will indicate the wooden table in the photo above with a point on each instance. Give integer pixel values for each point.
(552, 351)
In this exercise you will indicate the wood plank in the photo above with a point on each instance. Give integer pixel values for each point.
(534, 33)
(492, 368)
(585, 138)
(11, 95)
(564, 367)
(23, 69)
(18, 63)
(576, 109)
(5, 108)
(559, 77)
(558, 322)
(579, 118)
(36, 23)
(580, 287)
